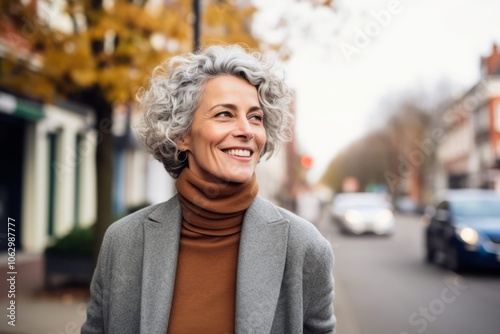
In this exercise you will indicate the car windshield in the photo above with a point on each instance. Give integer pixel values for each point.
(477, 207)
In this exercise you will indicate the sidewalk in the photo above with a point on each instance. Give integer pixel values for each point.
(58, 311)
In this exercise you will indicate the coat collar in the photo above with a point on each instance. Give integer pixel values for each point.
(161, 246)
(261, 265)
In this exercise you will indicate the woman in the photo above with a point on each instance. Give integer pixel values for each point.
(215, 258)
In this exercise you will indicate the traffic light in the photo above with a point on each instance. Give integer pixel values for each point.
(306, 161)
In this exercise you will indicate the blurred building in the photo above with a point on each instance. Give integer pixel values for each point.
(280, 177)
(271, 176)
(48, 178)
(139, 179)
(468, 148)
(490, 68)
(48, 174)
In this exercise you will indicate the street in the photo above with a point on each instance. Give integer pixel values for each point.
(383, 286)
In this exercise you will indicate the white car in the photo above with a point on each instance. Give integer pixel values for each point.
(359, 213)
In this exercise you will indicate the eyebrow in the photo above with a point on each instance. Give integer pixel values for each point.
(234, 107)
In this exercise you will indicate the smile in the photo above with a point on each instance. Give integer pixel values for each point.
(238, 153)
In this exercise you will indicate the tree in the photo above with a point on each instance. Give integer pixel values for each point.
(99, 53)
(225, 21)
(298, 24)
(366, 160)
(408, 128)
(397, 154)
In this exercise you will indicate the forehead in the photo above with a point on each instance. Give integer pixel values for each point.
(228, 86)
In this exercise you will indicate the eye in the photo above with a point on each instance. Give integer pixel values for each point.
(257, 117)
(224, 114)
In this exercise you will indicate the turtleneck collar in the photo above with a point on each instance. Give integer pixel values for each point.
(213, 208)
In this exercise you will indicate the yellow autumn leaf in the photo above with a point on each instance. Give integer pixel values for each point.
(83, 77)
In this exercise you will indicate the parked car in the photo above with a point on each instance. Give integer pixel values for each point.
(359, 213)
(406, 205)
(463, 230)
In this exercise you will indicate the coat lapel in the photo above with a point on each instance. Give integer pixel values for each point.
(261, 265)
(161, 245)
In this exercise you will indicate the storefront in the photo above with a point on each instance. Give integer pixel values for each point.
(15, 116)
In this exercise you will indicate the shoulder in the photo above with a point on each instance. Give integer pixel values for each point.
(133, 223)
(303, 236)
(299, 225)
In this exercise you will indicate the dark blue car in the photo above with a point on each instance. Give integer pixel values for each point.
(463, 230)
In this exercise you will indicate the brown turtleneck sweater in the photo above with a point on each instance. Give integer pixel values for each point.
(205, 281)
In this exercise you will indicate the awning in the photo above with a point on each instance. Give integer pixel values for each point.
(26, 109)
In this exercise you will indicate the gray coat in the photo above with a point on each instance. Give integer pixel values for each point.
(284, 279)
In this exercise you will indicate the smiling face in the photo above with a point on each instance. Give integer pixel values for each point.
(227, 135)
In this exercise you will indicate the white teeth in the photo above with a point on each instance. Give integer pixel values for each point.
(239, 153)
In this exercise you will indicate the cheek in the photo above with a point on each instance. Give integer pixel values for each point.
(262, 138)
(213, 135)
(203, 139)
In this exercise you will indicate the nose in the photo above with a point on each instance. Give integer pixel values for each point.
(244, 129)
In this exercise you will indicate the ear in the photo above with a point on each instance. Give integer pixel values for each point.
(183, 143)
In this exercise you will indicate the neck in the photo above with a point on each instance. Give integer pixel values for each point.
(213, 206)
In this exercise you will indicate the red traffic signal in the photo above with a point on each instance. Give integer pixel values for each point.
(306, 161)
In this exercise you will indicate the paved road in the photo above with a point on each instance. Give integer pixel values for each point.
(383, 286)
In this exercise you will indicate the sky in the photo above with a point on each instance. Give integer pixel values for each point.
(347, 64)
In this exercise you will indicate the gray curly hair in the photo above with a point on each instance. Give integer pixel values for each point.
(175, 90)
